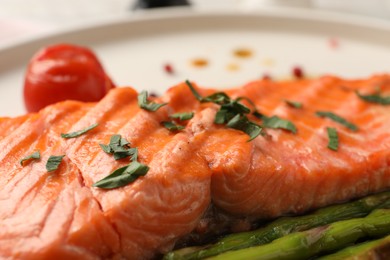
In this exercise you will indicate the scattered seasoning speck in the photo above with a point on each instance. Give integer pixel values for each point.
(268, 62)
(243, 53)
(333, 43)
(232, 67)
(168, 68)
(199, 62)
(297, 72)
(266, 76)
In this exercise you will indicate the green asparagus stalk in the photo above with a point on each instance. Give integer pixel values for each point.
(284, 226)
(368, 250)
(306, 244)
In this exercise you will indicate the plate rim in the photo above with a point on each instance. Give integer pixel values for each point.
(303, 14)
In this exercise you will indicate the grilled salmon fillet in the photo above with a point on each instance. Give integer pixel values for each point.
(60, 215)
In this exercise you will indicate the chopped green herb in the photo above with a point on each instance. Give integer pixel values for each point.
(182, 116)
(115, 143)
(78, 133)
(193, 90)
(277, 122)
(375, 98)
(231, 112)
(337, 119)
(53, 162)
(241, 122)
(123, 176)
(258, 115)
(172, 126)
(147, 105)
(294, 104)
(333, 143)
(248, 100)
(125, 153)
(119, 147)
(134, 157)
(34, 156)
(105, 148)
(123, 142)
(220, 117)
(219, 98)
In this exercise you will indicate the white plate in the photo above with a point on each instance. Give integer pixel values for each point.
(135, 49)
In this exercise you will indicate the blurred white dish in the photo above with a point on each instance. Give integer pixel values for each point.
(135, 49)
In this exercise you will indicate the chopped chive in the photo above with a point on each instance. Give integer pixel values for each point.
(147, 105)
(80, 132)
(337, 119)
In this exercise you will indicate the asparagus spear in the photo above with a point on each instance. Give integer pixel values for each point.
(284, 226)
(376, 249)
(306, 244)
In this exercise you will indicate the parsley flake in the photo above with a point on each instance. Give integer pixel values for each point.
(80, 132)
(333, 143)
(182, 116)
(148, 105)
(34, 156)
(53, 162)
(172, 126)
(232, 112)
(293, 104)
(242, 123)
(375, 98)
(277, 122)
(119, 147)
(123, 176)
(337, 119)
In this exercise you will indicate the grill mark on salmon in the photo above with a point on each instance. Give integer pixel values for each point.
(281, 173)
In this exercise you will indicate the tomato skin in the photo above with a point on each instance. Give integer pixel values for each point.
(62, 72)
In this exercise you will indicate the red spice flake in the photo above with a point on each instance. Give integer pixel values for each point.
(297, 72)
(266, 76)
(333, 43)
(200, 62)
(168, 68)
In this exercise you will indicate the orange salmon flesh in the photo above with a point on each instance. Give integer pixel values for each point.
(59, 215)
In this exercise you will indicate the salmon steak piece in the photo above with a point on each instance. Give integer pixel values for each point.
(198, 172)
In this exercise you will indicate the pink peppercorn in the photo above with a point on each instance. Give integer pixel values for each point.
(297, 72)
(266, 76)
(168, 68)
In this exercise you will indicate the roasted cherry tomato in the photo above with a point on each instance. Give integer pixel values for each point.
(61, 72)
